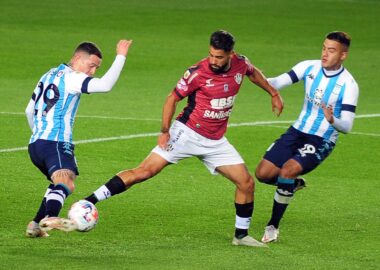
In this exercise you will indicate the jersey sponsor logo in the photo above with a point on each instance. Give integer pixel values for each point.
(217, 114)
(222, 103)
(318, 97)
(182, 85)
(238, 78)
(107, 194)
(208, 83)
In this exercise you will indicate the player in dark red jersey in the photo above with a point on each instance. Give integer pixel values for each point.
(211, 87)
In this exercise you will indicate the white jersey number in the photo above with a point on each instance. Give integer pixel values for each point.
(307, 149)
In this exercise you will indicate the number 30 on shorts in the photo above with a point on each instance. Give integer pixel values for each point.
(307, 149)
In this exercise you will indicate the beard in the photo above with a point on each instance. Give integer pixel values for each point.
(217, 69)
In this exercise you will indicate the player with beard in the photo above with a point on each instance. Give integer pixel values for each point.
(210, 87)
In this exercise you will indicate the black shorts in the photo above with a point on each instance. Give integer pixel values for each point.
(50, 156)
(308, 150)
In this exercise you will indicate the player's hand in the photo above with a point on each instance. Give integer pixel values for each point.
(277, 104)
(123, 46)
(328, 112)
(163, 139)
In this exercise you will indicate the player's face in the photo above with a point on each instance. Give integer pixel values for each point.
(333, 54)
(218, 60)
(88, 64)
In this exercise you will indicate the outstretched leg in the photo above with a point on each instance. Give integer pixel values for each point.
(122, 181)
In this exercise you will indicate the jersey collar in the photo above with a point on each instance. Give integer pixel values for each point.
(332, 73)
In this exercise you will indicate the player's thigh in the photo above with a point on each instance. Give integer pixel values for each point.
(266, 170)
(291, 169)
(237, 173)
(153, 164)
(37, 157)
(51, 156)
(283, 148)
(215, 154)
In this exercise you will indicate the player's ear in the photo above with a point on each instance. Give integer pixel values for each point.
(229, 54)
(344, 55)
(75, 58)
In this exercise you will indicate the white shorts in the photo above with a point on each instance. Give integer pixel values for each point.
(185, 142)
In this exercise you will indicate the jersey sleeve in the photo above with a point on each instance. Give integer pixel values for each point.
(77, 82)
(250, 68)
(188, 83)
(350, 97)
(298, 72)
(106, 83)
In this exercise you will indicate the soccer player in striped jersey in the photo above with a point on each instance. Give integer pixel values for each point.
(210, 87)
(51, 112)
(331, 96)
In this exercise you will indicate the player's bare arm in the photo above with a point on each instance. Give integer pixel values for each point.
(258, 78)
(167, 116)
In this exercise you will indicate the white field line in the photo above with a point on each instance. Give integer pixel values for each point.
(157, 119)
(133, 136)
(97, 117)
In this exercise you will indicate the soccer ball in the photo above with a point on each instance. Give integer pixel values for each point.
(84, 214)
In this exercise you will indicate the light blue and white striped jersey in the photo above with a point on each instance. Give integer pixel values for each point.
(338, 90)
(56, 99)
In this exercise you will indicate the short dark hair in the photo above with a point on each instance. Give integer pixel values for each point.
(90, 48)
(222, 40)
(341, 37)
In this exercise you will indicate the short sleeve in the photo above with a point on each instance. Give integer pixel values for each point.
(188, 83)
(298, 72)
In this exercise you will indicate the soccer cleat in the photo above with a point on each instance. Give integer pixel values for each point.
(247, 241)
(50, 223)
(300, 183)
(271, 234)
(33, 230)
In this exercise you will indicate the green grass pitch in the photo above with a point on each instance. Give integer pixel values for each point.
(184, 218)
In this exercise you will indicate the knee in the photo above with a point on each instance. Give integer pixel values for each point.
(261, 175)
(291, 169)
(65, 177)
(288, 172)
(248, 185)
